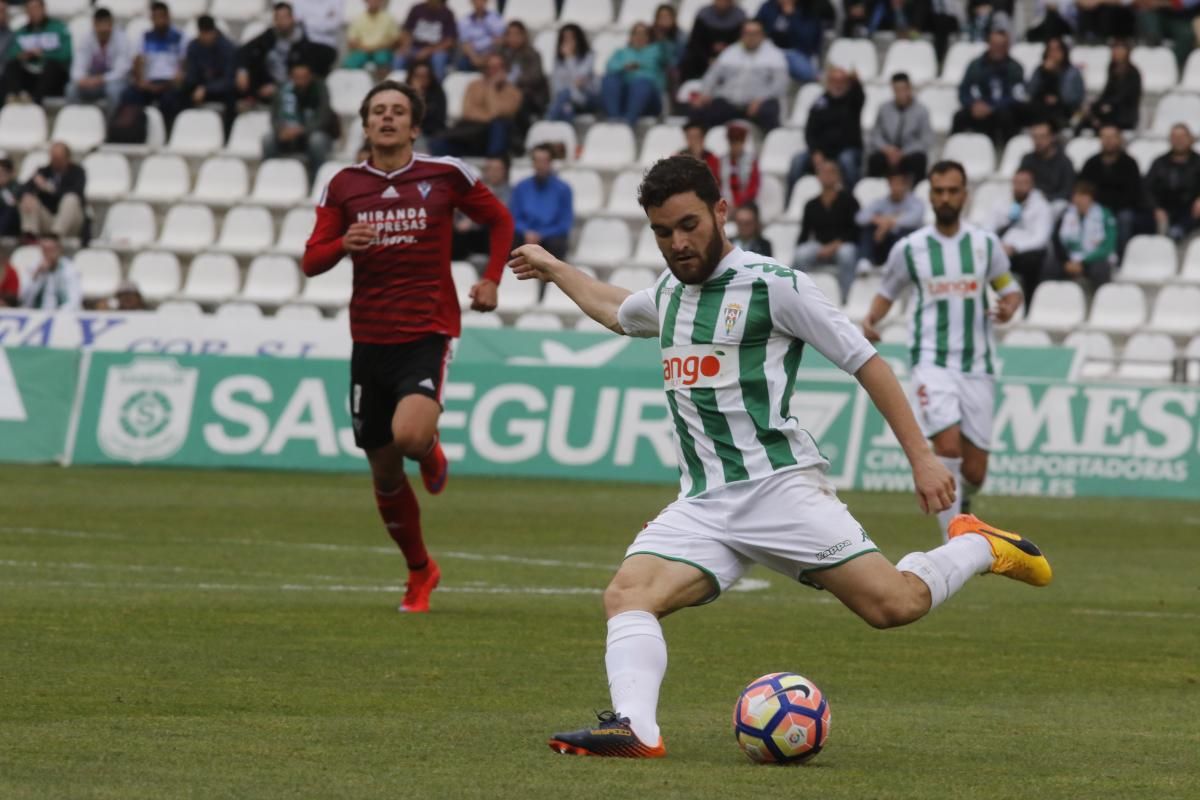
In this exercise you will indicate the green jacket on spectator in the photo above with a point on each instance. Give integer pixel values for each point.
(51, 37)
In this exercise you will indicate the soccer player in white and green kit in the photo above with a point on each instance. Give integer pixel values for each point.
(732, 326)
(950, 265)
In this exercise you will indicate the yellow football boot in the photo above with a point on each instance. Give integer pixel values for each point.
(1013, 555)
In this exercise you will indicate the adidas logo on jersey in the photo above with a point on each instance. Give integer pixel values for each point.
(390, 193)
(426, 384)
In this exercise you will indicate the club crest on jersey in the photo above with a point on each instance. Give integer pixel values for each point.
(390, 193)
(732, 312)
(424, 187)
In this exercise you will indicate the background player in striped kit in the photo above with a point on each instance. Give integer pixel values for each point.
(951, 264)
(732, 326)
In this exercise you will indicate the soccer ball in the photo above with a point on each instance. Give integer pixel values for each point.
(781, 718)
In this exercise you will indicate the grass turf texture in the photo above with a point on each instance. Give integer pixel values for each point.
(149, 649)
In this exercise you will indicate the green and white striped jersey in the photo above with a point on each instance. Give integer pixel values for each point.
(949, 325)
(730, 350)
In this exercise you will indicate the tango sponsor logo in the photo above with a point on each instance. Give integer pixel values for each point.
(958, 287)
(698, 367)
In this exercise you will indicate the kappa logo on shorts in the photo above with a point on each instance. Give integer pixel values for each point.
(830, 551)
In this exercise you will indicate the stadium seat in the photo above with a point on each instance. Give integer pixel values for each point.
(875, 95)
(897, 333)
(137, 26)
(827, 283)
(183, 11)
(548, 131)
(298, 312)
(942, 102)
(238, 10)
(770, 198)
(179, 308)
(162, 179)
(659, 142)
(1176, 311)
(1028, 337)
(984, 198)
(958, 58)
(1190, 82)
(688, 9)
(1147, 357)
(591, 15)
(245, 138)
(868, 190)
(1057, 306)
(636, 11)
(646, 253)
(271, 281)
(1080, 149)
(605, 43)
(805, 97)
(22, 127)
(604, 242)
(342, 317)
(1176, 107)
(80, 127)
(128, 226)
(586, 324)
(1192, 354)
(921, 192)
(778, 148)
(805, 189)
(25, 260)
(294, 232)
(99, 272)
(279, 183)
(464, 275)
(1117, 308)
(156, 136)
(1149, 260)
(857, 55)
(324, 176)
(587, 190)
(238, 311)
(331, 289)
(156, 275)
(518, 296)
(858, 301)
(1096, 352)
(347, 88)
(1014, 151)
(211, 278)
(66, 8)
(622, 200)
(1092, 61)
(782, 236)
(221, 181)
(31, 163)
(188, 228)
(1190, 273)
(975, 151)
(538, 321)
(124, 9)
(913, 56)
(247, 230)
(716, 141)
(632, 278)
(1028, 55)
(480, 320)
(544, 43)
(554, 301)
(197, 132)
(454, 86)
(108, 176)
(534, 13)
(1159, 70)
(608, 145)
(1144, 151)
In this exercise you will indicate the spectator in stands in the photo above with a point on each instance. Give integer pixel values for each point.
(941, 21)
(420, 77)
(52, 202)
(634, 79)
(56, 285)
(6, 35)
(1120, 102)
(1055, 89)
(481, 33)
(748, 80)
(1024, 222)
(127, 298)
(888, 219)
(302, 121)
(542, 206)
(667, 34)
(1117, 182)
(10, 195)
(716, 27)
(1056, 19)
(1087, 240)
(39, 58)
(158, 66)
(101, 64)
(991, 88)
(429, 34)
(749, 230)
(834, 129)
(902, 137)
(322, 21)
(1173, 184)
(371, 39)
(573, 83)
(1100, 20)
(211, 69)
(471, 239)
(829, 233)
(10, 287)
(525, 70)
(1053, 173)
(864, 17)
(739, 176)
(984, 15)
(1173, 20)
(693, 133)
(263, 61)
(490, 106)
(797, 31)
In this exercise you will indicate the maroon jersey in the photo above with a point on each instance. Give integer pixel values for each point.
(402, 285)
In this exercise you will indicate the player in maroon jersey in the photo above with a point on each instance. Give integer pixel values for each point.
(393, 214)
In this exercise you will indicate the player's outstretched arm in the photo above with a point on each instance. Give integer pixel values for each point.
(598, 300)
(935, 485)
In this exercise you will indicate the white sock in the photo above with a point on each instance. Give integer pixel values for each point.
(636, 660)
(945, 569)
(944, 517)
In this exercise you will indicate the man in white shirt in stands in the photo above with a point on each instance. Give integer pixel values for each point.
(748, 80)
(100, 68)
(55, 285)
(322, 21)
(1024, 223)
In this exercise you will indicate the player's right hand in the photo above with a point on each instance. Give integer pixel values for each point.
(532, 261)
(358, 237)
(935, 484)
(870, 331)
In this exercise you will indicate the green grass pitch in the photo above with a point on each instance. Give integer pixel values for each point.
(234, 634)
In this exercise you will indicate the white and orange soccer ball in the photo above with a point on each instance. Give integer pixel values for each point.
(781, 718)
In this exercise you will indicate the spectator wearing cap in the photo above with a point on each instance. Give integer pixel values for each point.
(263, 61)
(739, 174)
(100, 68)
(903, 136)
(210, 69)
(887, 220)
(10, 194)
(1173, 184)
(371, 38)
(747, 81)
(1087, 240)
(55, 285)
(302, 121)
(748, 235)
(52, 202)
(990, 91)
(693, 133)
(39, 58)
(543, 206)
(834, 129)
(158, 66)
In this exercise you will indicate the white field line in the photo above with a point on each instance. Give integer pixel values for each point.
(297, 587)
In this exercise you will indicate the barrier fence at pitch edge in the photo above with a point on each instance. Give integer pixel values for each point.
(573, 405)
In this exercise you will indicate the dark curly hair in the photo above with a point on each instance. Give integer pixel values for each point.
(415, 102)
(942, 167)
(674, 175)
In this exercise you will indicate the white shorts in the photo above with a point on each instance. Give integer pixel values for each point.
(943, 398)
(791, 522)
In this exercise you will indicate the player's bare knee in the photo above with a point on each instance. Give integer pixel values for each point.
(411, 441)
(892, 612)
(974, 474)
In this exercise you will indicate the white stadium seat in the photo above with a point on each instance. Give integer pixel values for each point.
(661, 141)
(31, 163)
(211, 278)
(1190, 81)
(1144, 151)
(1014, 151)
(179, 308)
(778, 148)
(874, 96)
(128, 226)
(464, 275)
(892, 334)
(517, 296)
(238, 10)
(1117, 308)
(247, 230)
(858, 301)
(1028, 337)
(22, 127)
(480, 320)
(188, 228)
(108, 176)
(688, 9)
(271, 281)
(294, 232)
(347, 88)
(1159, 70)
(246, 137)
(632, 278)
(538, 321)
(827, 283)
(805, 189)
(99, 272)
(636, 11)
(605, 43)
(156, 275)
(604, 242)
(197, 132)
(187, 10)
(324, 176)
(80, 127)
(280, 182)
(854, 54)
(1192, 353)
(1096, 350)
(331, 289)
(1057, 306)
(770, 198)
(587, 190)
(942, 102)
(534, 13)
(958, 58)
(913, 56)
(608, 145)
(221, 181)
(868, 190)
(299, 312)
(1028, 55)
(230, 312)
(1176, 311)
(1148, 260)
(1092, 61)
(646, 252)
(549, 132)
(455, 86)
(622, 200)
(1190, 273)
(1079, 150)
(589, 325)
(974, 151)
(1173, 108)
(805, 97)
(984, 199)
(591, 15)
(716, 141)
(162, 179)
(1147, 357)
(544, 43)
(25, 260)
(66, 8)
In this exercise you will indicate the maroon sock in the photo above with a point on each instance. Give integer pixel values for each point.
(402, 518)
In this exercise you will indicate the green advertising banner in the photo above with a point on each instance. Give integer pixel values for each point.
(37, 389)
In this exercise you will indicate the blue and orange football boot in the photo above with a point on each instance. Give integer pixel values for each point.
(435, 470)
(421, 583)
(612, 738)
(1013, 556)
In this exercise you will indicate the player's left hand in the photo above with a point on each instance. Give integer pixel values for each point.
(1006, 306)
(483, 296)
(935, 484)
